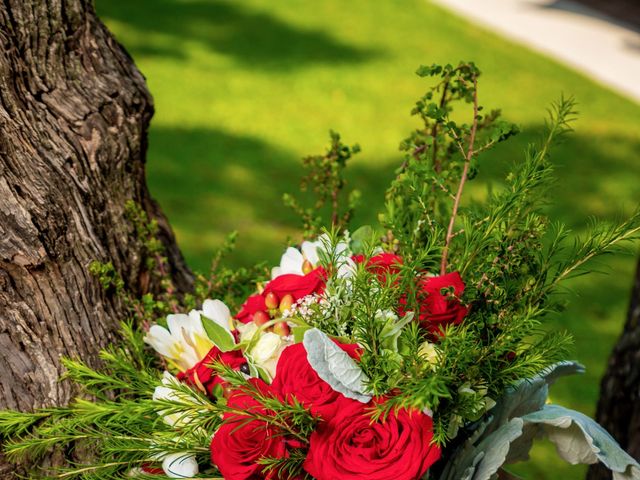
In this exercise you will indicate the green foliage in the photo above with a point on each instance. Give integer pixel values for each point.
(439, 158)
(325, 178)
(107, 275)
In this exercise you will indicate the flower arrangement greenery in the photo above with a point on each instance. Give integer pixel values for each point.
(413, 349)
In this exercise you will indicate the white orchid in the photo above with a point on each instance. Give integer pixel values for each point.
(185, 341)
(219, 313)
(303, 261)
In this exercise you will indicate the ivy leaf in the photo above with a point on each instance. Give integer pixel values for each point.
(218, 335)
(334, 366)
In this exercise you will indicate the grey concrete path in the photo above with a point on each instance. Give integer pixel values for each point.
(603, 48)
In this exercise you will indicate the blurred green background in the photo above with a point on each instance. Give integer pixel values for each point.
(243, 90)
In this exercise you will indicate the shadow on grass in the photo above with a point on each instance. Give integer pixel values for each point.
(595, 176)
(210, 182)
(256, 39)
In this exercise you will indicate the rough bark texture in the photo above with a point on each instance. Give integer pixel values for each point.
(74, 112)
(619, 404)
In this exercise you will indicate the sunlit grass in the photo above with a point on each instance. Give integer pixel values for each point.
(243, 90)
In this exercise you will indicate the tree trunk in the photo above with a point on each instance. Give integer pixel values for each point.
(74, 112)
(619, 404)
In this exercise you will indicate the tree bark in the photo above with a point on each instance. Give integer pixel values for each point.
(619, 404)
(74, 112)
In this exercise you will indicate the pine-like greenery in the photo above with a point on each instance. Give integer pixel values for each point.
(512, 258)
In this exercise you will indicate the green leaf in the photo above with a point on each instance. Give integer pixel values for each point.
(360, 237)
(218, 335)
(298, 332)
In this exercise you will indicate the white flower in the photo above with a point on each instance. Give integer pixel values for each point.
(301, 262)
(169, 391)
(247, 331)
(266, 351)
(175, 342)
(185, 341)
(219, 313)
(180, 465)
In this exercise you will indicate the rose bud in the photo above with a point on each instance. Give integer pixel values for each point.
(307, 267)
(282, 329)
(286, 302)
(260, 318)
(271, 301)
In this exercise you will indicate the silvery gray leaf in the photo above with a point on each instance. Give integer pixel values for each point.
(335, 366)
(529, 395)
(496, 448)
(482, 461)
(579, 439)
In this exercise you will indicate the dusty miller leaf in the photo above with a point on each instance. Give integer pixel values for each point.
(579, 439)
(334, 366)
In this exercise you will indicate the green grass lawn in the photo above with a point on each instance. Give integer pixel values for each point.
(243, 90)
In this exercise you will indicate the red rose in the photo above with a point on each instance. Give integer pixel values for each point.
(439, 302)
(253, 304)
(297, 286)
(149, 469)
(202, 376)
(351, 447)
(296, 378)
(242, 440)
(381, 264)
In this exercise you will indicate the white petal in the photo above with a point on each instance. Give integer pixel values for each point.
(266, 347)
(291, 261)
(180, 465)
(160, 339)
(275, 272)
(178, 323)
(188, 358)
(218, 312)
(310, 251)
(347, 268)
(163, 393)
(247, 331)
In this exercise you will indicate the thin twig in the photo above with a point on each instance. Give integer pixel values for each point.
(463, 179)
(434, 131)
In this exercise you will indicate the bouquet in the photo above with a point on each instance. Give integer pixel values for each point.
(414, 349)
